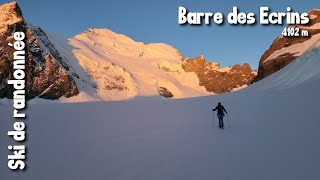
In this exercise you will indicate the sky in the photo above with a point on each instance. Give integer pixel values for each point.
(152, 21)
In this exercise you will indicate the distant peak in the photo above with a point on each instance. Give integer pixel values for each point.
(314, 11)
(99, 32)
(13, 3)
(11, 7)
(201, 57)
(10, 13)
(314, 14)
(103, 33)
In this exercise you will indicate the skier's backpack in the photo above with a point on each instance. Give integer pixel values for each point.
(220, 110)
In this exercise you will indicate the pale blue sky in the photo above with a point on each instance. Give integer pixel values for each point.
(156, 21)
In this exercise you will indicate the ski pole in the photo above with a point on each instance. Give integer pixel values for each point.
(228, 121)
(213, 119)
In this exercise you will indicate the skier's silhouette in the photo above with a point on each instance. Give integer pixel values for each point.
(220, 114)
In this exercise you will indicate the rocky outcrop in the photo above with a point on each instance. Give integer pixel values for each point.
(219, 80)
(164, 92)
(47, 73)
(285, 49)
(107, 65)
(122, 68)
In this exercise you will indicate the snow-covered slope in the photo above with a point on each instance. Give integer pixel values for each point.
(99, 64)
(285, 49)
(296, 49)
(304, 69)
(274, 134)
(112, 66)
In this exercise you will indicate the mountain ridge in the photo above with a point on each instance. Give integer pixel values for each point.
(45, 76)
(99, 64)
(285, 50)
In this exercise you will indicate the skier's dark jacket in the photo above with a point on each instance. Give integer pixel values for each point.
(220, 109)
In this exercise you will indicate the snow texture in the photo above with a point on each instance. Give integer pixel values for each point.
(112, 66)
(273, 134)
(299, 48)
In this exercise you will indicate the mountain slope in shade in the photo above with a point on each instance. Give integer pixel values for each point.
(47, 75)
(286, 49)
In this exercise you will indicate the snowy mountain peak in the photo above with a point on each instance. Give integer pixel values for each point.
(105, 34)
(103, 65)
(111, 43)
